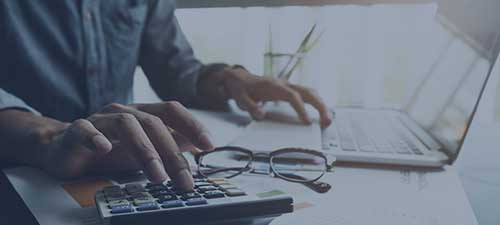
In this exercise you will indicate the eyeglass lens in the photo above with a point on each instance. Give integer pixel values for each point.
(298, 166)
(224, 163)
(293, 166)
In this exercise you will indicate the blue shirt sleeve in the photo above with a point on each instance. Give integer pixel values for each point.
(167, 57)
(9, 101)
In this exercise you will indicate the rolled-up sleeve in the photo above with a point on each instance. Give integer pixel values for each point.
(167, 57)
(9, 101)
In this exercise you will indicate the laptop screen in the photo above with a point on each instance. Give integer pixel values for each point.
(445, 98)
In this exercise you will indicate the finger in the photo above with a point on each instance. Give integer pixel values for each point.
(296, 101)
(83, 131)
(174, 162)
(136, 141)
(312, 98)
(246, 103)
(183, 143)
(176, 116)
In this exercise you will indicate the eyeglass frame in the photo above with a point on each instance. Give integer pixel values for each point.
(198, 159)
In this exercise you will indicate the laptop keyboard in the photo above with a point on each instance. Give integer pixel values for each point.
(374, 133)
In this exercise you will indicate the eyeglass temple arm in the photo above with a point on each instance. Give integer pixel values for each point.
(213, 171)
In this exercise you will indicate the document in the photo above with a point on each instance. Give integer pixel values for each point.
(369, 196)
(53, 202)
(223, 126)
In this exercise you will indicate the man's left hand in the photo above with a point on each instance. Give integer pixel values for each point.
(249, 90)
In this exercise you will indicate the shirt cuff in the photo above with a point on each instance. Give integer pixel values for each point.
(207, 70)
(9, 101)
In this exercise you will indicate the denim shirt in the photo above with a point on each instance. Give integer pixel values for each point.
(68, 58)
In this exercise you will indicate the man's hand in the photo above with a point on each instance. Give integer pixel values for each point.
(121, 138)
(248, 90)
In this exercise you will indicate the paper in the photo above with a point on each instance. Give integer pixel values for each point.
(83, 191)
(280, 129)
(47, 199)
(223, 126)
(369, 196)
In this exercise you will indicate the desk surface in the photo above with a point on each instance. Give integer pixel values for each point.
(359, 195)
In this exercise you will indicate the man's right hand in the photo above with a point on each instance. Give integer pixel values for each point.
(129, 137)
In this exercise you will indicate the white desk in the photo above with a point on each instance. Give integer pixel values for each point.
(362, 194)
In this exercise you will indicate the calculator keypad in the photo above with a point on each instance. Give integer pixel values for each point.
(147, 197)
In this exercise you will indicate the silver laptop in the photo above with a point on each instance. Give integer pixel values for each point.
(429, 129)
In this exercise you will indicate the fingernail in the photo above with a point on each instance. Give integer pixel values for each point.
(259, 114)
(185, 180)
(156, 171)
(205, 140)
(307, 120)
(102, 144)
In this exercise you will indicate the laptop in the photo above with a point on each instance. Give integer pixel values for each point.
(428, 130)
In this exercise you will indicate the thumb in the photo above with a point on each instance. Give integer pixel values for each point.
(83, 131)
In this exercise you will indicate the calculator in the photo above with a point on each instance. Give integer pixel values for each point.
(213, 201)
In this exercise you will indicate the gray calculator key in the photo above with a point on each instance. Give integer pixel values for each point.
(207, 188)
(159, 193)
(172, 204)
(234, 192)
(190, 195)
(213, 194)
(156, 187)
(117, 198)
(196, 201)
(165, 198)
(121, 202)
(141, 195)
(134, 188)
(202, 183)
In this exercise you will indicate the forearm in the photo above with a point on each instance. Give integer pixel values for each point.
(23, 135)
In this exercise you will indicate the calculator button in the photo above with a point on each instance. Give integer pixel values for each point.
(216, 179)
(213, 194)
(157, 187)
(227, 186)
(113, 188)
(207, 188)
(159, 193)
(118, 198)
(114, 194)
(134, 188)
(196, 201)
(165, 198)
(202, 184)
(235, 192)
(140, 201)
(200, 180)
(190, 195)
(140, 195)
(121, 209)
(181, 192)
(121, 202)
(172, 204)
(147, 206)
(222, 182)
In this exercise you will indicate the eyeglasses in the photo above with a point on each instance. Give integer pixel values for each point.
(290, 164)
